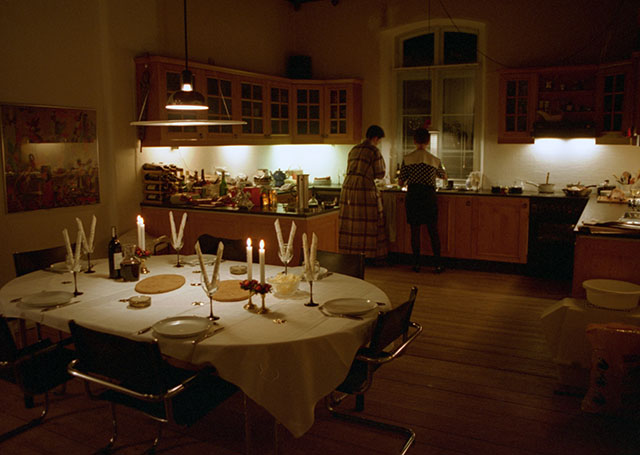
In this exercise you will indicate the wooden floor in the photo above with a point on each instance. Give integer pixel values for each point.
(478, 381)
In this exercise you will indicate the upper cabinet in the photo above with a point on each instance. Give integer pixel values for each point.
(275, 110)
(573, 101)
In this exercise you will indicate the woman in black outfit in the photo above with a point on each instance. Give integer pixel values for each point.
(419, 171)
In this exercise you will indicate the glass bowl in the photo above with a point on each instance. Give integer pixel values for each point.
(285, 284)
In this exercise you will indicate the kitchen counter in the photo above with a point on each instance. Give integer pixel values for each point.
(603, 212)
(279, 211)
(239, 224)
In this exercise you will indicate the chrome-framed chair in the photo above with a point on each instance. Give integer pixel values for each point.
(234, 249)
(392, 326)
(345, 263)
(134, 374)
(36, 369)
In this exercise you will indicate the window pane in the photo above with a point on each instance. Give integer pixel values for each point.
(418, 51)
(416, 97)
(460, 48)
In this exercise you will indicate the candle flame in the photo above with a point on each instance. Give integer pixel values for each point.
(249, 241)
(262, 244)
(140, 220)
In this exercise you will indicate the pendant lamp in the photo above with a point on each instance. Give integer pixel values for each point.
(186, 99)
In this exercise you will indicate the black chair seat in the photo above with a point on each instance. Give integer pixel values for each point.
(234, 249)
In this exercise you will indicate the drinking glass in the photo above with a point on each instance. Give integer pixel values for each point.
(284, 257)
(311, 274)
(177, 247)
(210, 289)
(75, 268)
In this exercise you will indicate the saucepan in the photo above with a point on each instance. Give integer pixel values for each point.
(544, 187)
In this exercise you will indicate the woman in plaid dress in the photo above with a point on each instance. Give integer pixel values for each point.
(361, 219)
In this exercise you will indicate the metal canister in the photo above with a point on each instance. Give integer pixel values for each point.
(302, 184)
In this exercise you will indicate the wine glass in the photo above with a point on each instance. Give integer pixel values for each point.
(210, 289)
(285, 255)
(74, 266)
(177, 247)
(311, 274)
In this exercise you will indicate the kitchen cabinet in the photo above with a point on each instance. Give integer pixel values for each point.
(472, 227)
(635, 60)
(569, 101)
(328, 112)
(276, 110)
(517, 106)
(500, 229)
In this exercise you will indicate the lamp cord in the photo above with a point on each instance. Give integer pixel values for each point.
(186, 50)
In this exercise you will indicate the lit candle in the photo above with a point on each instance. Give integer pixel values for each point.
(261, 257)
(141, 233)
(249, 260)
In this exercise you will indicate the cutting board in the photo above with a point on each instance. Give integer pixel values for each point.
(158, 284)
(230, 291)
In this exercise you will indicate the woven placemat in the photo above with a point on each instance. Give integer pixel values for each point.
(158, 284)
(230, 291)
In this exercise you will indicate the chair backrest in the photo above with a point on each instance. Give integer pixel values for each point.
(393, 324)
(347, 264)
(30, 261)
(8, 348)
(135, 365)
(234, 249)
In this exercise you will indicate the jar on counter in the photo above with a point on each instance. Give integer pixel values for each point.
(130, 265)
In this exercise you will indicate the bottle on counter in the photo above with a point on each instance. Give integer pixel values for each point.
(115, 254)
(223, 185)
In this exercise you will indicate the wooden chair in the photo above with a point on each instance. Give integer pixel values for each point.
(30, 261)
(36, 369)
(234, 249)
(392, 327)
(134, 374)
(347, 264)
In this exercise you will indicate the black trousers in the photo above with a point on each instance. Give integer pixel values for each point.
(422, 208)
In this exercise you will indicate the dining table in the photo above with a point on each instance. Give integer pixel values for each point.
(285, 360)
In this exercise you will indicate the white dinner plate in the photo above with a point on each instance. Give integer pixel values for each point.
(353, 306)
(182, 326)
(47, 298)
(192, 260)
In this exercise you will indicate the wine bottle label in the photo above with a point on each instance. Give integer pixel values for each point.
(117, 259)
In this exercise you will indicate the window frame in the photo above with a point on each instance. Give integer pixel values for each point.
(437, 73)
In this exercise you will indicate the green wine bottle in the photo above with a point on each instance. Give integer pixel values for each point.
(223, 185)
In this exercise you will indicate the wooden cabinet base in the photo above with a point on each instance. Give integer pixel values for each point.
(604, 257)
(236, 225)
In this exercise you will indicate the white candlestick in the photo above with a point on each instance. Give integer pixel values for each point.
(261, 258)
(249, 260)
(141, 233)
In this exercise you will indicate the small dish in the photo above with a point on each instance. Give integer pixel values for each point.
(350, 306)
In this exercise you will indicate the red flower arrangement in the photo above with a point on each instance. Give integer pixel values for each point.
(142, 253)
(254, 287)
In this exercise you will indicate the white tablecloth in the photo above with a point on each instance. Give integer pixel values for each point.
(564, 325)
(286, 368)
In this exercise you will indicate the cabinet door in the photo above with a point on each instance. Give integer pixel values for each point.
(461, 226)
(343, 113)
(309, 125)
(445, 217)
(219, 98)
(252, 107)
(500, 229)
(517, 107)
(279, 113)
(614, 101)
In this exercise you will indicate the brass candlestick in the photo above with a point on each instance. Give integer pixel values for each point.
(250, 306)
(263, 309)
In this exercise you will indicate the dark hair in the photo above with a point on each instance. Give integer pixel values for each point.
(421, 136)
(375, 131)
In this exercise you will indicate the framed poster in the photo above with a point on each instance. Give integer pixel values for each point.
(50, 157)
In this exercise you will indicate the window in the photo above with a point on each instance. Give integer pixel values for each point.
(437, 87)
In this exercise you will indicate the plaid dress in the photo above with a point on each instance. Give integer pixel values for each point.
(361, 218)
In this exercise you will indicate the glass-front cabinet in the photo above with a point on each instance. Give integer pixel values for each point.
(275, 110)
(517, 100)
